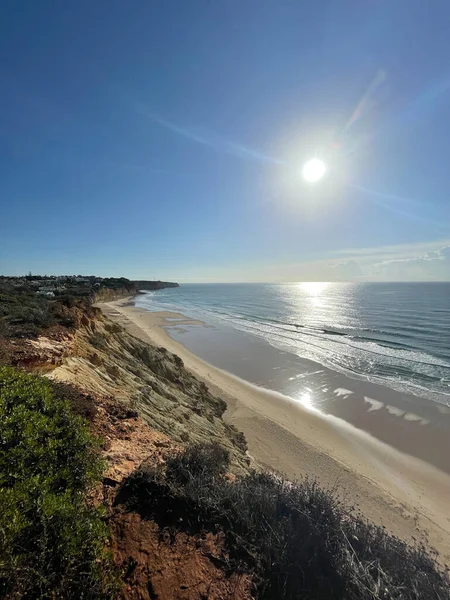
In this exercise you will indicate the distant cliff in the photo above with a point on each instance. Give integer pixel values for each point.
(106, 294)
(154, 285)
(68, 289)
(110, 294)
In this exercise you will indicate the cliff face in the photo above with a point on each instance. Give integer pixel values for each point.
(145, 407)
(105, 360)
(106, 294)
(109, 294)
(155, 562)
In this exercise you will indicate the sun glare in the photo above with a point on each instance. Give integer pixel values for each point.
(306, 399)
(313, 170)
(314, 288)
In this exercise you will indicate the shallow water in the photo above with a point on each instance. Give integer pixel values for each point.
(397, 335)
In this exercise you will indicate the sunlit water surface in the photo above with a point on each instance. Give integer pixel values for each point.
(394, 334)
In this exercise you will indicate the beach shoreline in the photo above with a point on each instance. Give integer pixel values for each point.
(391, 488)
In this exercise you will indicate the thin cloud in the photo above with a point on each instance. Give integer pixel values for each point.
(210, 139)
(419, 262)
(432, 266)
(415, 262)
(393, 250)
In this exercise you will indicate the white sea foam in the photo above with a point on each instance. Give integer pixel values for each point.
(342, 392)
(374, 404)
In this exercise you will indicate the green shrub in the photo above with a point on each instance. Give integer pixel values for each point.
(297, 540)
(207, 461)
(28, 314)
(67, 300)
(25, 315)
(80, 403)
(51, 543)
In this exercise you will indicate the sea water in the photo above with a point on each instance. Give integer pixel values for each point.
(394, 334)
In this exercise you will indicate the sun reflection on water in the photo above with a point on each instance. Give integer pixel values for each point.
(306, 399)
(314, 288)
(314, 292)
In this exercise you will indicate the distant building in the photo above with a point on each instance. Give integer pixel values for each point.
(49, 294)
(46, 290)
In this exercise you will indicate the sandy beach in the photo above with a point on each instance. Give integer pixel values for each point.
(406, 494)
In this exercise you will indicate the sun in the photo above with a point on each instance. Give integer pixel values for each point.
(313, 170)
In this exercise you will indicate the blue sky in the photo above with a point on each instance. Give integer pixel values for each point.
(165, 139)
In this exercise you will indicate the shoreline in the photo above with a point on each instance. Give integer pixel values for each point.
(401, 492)
(411, 424)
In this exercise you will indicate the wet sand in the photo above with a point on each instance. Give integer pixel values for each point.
(391, 487)
(408, 423)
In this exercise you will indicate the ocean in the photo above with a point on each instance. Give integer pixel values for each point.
(393, 334)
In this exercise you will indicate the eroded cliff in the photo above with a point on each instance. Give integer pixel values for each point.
(102, 358)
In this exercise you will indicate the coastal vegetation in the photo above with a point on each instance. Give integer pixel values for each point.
(52, 542)
(32, 305)
(297, 540)
(71, 528)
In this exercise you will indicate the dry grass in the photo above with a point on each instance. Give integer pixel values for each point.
(297, 540)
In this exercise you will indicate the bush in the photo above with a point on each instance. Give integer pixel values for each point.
(199, 461)
(25, 314)
(297, 540)
(51, 542)
(80, 403)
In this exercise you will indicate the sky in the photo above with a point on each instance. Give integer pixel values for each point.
(152, 139)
